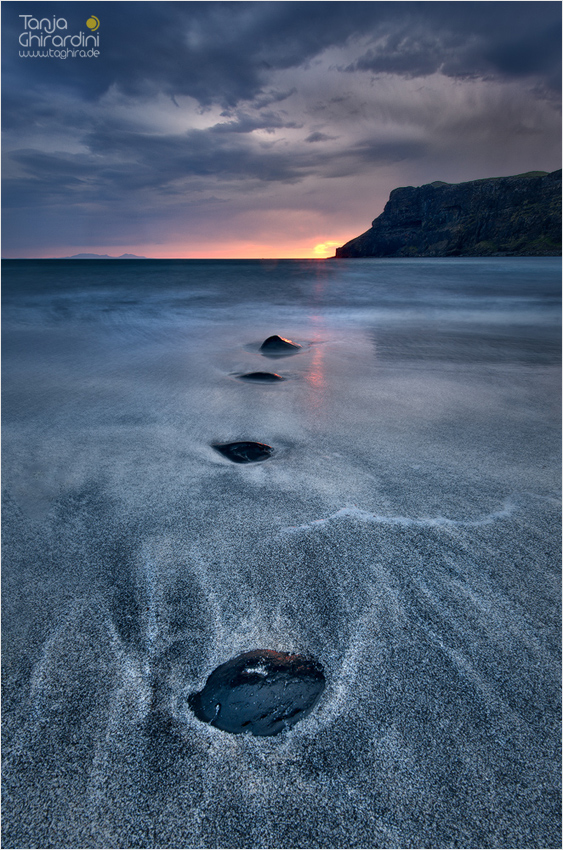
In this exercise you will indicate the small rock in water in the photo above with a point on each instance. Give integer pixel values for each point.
(261, 377)
(262, 692)
(244, 452)
(278, 345)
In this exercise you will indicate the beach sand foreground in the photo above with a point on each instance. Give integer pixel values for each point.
(404, 532)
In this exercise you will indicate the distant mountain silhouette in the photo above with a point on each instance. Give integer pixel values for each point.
(103, 257)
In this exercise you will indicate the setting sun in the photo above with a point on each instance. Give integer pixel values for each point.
(326, 249)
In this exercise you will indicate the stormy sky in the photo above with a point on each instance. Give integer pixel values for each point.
(263, 129)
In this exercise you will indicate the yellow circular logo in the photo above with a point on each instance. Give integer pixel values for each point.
(92, 23)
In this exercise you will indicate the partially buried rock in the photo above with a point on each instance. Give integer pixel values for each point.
(261, 377)
(244, 452)
(277, 345)
(262, 692)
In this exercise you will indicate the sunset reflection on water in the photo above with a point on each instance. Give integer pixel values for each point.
(315, 376)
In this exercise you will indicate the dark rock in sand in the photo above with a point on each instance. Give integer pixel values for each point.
(262, 692)
(244, 452)
(277, 345)
(261, 377)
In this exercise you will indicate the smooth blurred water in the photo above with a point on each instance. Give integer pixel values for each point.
(456, 288)
(405, 532)
(95, 348)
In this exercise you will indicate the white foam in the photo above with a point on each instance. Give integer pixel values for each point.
(339, 694)
(359, 515)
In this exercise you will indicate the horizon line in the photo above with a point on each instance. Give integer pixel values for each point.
(165, 259)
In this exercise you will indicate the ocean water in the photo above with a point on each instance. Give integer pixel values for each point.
(405, 532)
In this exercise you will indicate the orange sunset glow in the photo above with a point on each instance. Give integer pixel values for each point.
(292, 249)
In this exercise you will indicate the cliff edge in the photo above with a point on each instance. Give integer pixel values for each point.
(499, 216)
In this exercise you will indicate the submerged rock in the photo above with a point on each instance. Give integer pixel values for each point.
(262, 692)
(244, 452)
(261, 377)
(277, 345)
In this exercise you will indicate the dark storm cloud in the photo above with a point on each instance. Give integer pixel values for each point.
(123, 163)
(320, 137)
(470, 39)
(213, 51)
(271, 84)
(224, 52)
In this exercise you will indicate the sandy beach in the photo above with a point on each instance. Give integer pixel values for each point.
(405, 532)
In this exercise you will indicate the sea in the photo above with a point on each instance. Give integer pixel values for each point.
(405, 532)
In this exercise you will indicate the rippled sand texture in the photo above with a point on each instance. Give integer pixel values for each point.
(405, 532)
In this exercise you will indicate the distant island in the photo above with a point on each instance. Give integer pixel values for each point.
(497, 216)
(103, 257)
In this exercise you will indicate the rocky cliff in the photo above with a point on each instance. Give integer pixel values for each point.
(502, 216)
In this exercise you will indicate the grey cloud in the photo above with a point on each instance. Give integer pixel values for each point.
(216, 52)
(468, 39)
(248, 59)
(404, 53)
(127, 164)
(246, 123)
(269, 97)
(225, 52)
(320, 137)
